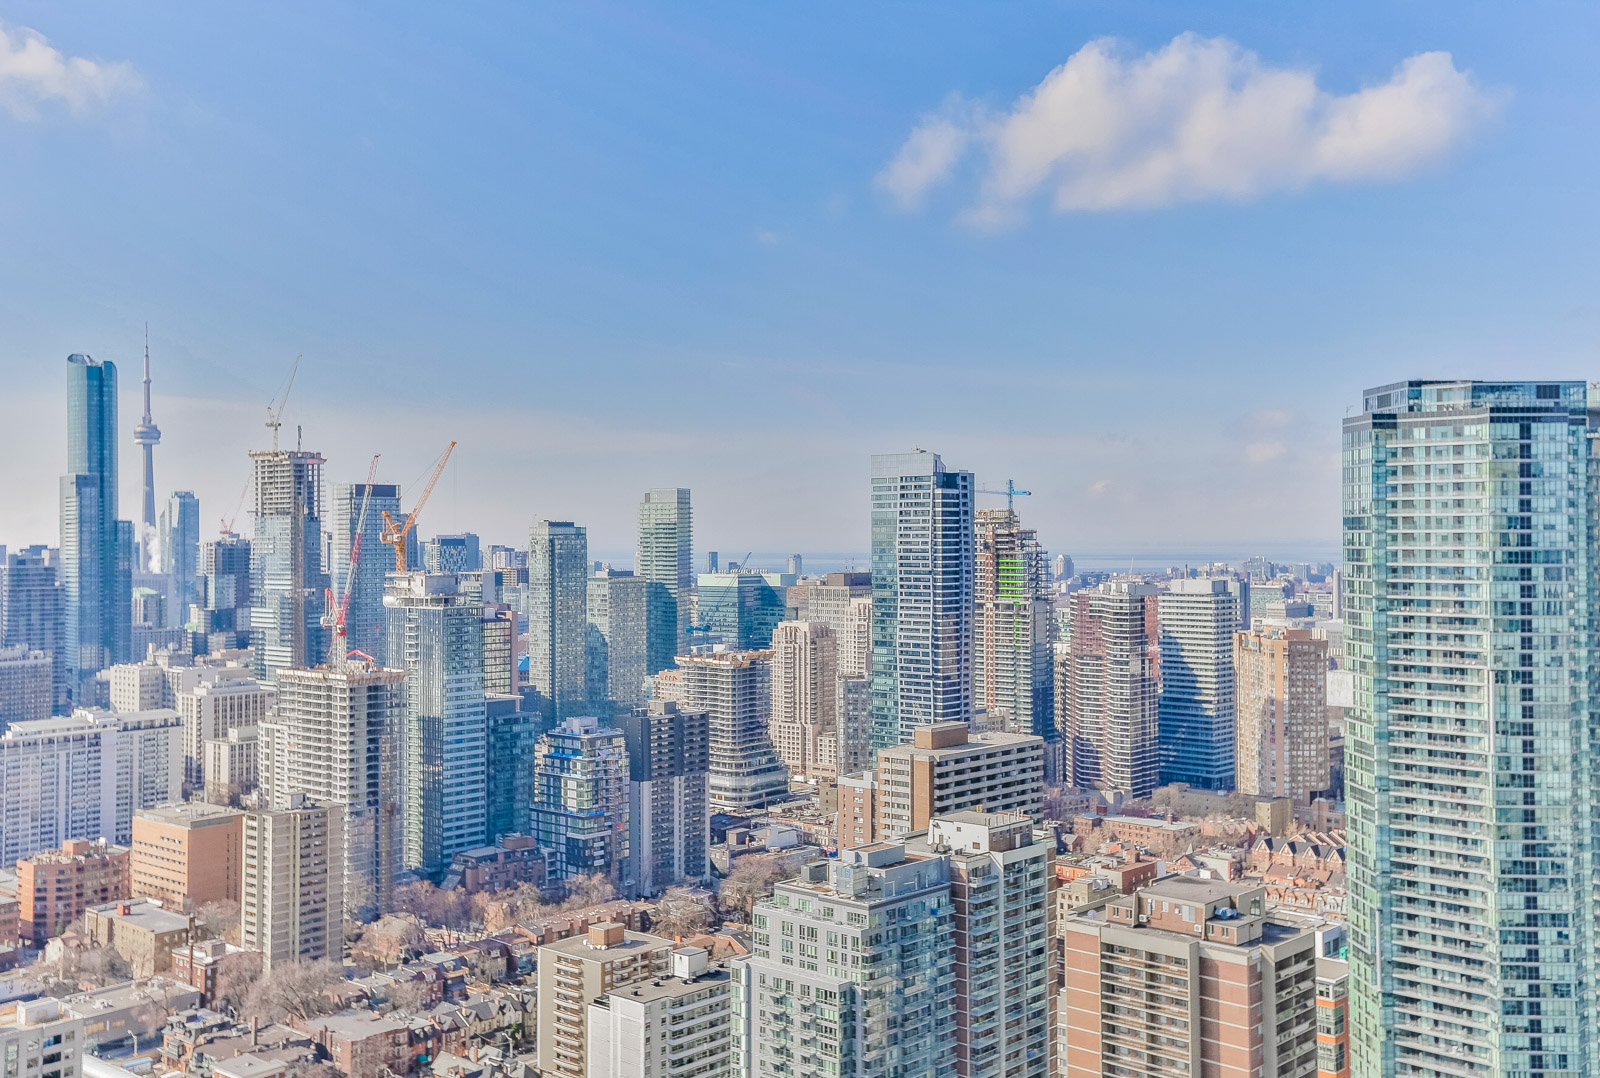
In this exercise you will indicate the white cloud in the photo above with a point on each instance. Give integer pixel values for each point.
(1264, 452)
(1202, 118)
(1099, 487)
(33, 73)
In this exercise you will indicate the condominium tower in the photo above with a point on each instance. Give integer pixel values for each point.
(435, 634)
(1196, 622)
(558, 616)
(805, 699)
(922, 594)
(287, 580)
(580, 805)
(179, 531)
(1013, 677)
(1108, 712)
(669, 818)
(734, 688)
(96, 547)
(1469, 587)
(291, 900)
(666, 557)
(1283, 713)
(365, 622)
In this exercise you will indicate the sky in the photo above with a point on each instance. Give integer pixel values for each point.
(1141, 258)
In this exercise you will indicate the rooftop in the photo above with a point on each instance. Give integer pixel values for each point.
(632, 942)
(668, 987)
(355, 1025)
(143, 913)
(1193, 889)
(188, 813)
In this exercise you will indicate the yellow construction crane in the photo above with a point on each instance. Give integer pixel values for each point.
(395, 534)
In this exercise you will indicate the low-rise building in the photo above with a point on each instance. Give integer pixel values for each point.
(362, 1042)
(514, 860)
(201, 964)
(857, 821)
(136, 1008)
(142, 931)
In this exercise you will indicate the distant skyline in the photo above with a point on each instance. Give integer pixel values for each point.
(741, 249)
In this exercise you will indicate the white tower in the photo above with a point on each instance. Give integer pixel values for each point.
(146, 436)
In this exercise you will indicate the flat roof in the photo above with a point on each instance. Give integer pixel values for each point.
(1193, 889)
(632, 941)
(667, 987)
(145, 914)
(187, 813)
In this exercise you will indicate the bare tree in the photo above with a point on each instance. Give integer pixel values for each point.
(81, 970)
(235, 976)
(390, 939)
(587, 890)
(407, 997)
(499, 910)
(217, 920)
(444, 909)
(751, 880)
(683, 911)
(293, 990)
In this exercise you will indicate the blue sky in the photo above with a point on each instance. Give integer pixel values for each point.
(612, 247)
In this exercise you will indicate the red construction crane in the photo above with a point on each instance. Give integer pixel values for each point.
(395, 534)
(337, 611)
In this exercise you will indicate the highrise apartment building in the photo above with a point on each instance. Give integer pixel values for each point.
(734, 689)
(843, 602)
(287, 578)
(666, 557)
(1196, 621)
(96, 548)
(186, 855)
(669, 816)
(365, 621)
(1013, 676)
(291, 902)
(1108, 715)
(513, 753)
(922, 594)
(680, 1026)
(1187, 976)
(224, 616)
(27, 688)
(31, 613)
(805, 699)
(575, 972)
(1469, 755)
(558, 616)
(622, 607)
(1283, 713)
(459, 553)
(946, 769)
(223, 699)
(179, 530)
(851, 971)
(999, 883)
(84, 774)
(337, 739)
(580, 805)
(435, 634)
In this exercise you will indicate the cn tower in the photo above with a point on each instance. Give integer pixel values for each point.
(146, 436)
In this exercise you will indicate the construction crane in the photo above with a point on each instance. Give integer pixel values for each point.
(275, 415)
(1011, 492)
(339, 609)
(731, 596)
(395, 534)
(228, 521)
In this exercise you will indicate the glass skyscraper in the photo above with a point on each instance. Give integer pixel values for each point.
(742, 608)
(1196, 621)
(179, 532)
(1469, 591)
(96, 548)
(666, 557)
(922, 594)
(558, 616)
(435, 634)
(364, 622)
(1013, 676)
(287, 578)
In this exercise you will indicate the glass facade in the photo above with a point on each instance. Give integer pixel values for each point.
(742, 609)
(922, 595)
(558, 616)
(364, 622)
(666, 557)
(180, 552)
(96, 572)
(286, 574)
(1469, 517)
(1197, 709)
(436, 636)
(580, 808)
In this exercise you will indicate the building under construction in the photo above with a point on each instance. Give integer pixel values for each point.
(287, 578)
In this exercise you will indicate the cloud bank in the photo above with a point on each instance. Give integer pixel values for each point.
(1202, 118)
(33, 73)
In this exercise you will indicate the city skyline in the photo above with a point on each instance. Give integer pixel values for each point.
(819, 279)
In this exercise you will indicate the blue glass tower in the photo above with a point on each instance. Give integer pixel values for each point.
(96, 572)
